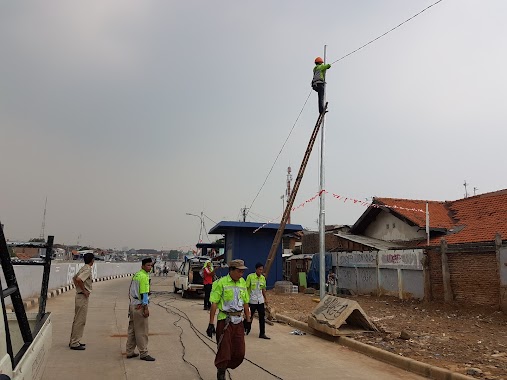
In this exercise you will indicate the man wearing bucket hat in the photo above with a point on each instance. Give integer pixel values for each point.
(230, 296)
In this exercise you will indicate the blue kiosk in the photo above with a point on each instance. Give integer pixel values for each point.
(251, 243)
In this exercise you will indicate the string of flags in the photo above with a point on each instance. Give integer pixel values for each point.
(345, 200)
(355, 201)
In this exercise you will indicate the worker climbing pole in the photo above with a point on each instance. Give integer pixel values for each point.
(318, 84)
(322, 67)
(319, 80)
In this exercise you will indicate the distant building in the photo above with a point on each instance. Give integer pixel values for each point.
(148, 252)
(25, 253)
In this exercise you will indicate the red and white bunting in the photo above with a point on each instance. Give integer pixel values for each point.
(345, 200)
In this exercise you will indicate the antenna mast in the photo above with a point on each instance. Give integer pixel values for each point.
(43, 227)
(466, 192)
(287, 192)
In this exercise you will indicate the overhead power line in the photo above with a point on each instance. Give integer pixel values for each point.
(389, 31)
(280, 152)
(261, 217)
(306, 101)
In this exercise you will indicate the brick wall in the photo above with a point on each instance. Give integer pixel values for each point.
(288, 243)
(334, 243)
(25, 253)
(474, 277)
(311, 243)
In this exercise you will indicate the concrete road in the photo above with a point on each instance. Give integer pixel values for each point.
(182, 352)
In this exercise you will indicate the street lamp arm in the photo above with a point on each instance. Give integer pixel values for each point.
(201, 224)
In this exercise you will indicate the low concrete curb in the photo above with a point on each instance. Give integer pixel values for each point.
(402, 362)
(34, 301)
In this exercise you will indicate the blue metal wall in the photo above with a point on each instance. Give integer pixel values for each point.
(254, 248)
(251, 242)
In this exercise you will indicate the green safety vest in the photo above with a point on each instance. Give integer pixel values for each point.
(230, 296)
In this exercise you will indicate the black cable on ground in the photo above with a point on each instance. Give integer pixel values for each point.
(183, 345)
(197, 331)
(118, 331)
(192, 326)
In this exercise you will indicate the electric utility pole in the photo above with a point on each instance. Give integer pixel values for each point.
(322, 211)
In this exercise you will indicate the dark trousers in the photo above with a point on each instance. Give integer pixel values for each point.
(207, 292)
(231, 349)
(320, 91)
(262, 316)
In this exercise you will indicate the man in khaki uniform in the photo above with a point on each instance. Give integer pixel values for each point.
(83, 282)
(139, 313)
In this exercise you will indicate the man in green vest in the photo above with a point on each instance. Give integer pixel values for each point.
(139, 313)
(256, 285)
(230, 297)
(319, 80)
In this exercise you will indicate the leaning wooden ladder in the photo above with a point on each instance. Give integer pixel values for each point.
(292, 197)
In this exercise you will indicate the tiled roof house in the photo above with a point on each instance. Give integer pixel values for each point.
(474, 219)
(472, 266)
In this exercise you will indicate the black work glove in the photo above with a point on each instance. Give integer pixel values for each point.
(247, 326)
(211, 330)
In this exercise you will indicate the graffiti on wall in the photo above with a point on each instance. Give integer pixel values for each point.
(407, 259)
(357, 259)
(380, 271)
(74, 268)
(347, 278)
(357, 279)
(367, 278)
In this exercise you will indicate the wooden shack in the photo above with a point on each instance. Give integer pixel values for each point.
(296, 264)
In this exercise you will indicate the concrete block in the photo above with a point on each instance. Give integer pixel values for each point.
(337, 316)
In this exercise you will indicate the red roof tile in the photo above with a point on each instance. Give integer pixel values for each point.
(480, 216)
(415, 211)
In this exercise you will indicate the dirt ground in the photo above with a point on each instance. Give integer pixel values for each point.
(452, 336)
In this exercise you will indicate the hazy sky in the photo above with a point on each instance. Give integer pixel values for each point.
(128, 114)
